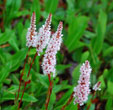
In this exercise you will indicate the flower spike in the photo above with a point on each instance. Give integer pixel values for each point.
(82, 90)
(43, 35)
(31, 34)
(49, 60)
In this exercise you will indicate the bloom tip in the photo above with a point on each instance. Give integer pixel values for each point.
(59, 30)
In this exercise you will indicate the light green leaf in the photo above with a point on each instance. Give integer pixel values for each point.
(85, 56)
(101, 29)
(5, 37)
(101, 78)
(77, 26)
(5, 72)
(11, 96)
(110, 87)
(109, 104)
(108, 51)
(76, 74)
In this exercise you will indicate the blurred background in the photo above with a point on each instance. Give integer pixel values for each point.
(87, 35)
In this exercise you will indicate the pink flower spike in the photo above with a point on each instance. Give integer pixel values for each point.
(31, 34)
(97, 86)
(82, 90)
(43, 35)
(54, 44)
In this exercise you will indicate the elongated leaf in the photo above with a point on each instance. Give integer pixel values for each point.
(101, 29)
(11, 96)
(76, 29)
(85, 56)
(76, 74)
(5, 71)
(52, 101)
(13, 63)
(108, 51)
(5, 37)
(13, 42)
(109, 104)
(110, 89)
(64, 98)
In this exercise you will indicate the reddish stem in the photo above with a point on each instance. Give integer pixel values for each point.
(27, 82)
(68, 102)
(49, 91)
(78, 107)
(22, 73)
(32, 64)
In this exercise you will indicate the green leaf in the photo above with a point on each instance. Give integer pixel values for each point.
(77, 26)
(17, 59)
(5, 72)
(105, 73)
(101, 78)
(64, 98)
(85, 56)
(108, 51)
(13, 42)
(11, 96)
(51, 5)
(76, 74)
(101, 29)
(5, 37)
(110, 87)
(71, 106)
(13, 63)
(52, 101)
(14, 79)
(43, 80)
(60, 68)
(109, 104)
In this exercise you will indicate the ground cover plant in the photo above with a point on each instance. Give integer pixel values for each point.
(87, 30)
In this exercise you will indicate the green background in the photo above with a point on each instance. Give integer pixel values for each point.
(87, 35)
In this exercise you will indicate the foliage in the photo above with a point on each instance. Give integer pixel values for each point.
(88, 34)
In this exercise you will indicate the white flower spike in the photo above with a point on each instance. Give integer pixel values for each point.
(97, 86)
(82, 90)
(43, 35)
(54, 44)
(31, 34)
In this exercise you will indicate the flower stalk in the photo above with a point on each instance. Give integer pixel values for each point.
(22, 74)
(49, 60)
(49, 91)
(36, 40)
(27, 82)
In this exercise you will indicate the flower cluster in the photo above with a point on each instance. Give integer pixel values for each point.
(43, 36)
(97, 86)
(31, 34)
(40, 39)
(82, 90)
(49, 60)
